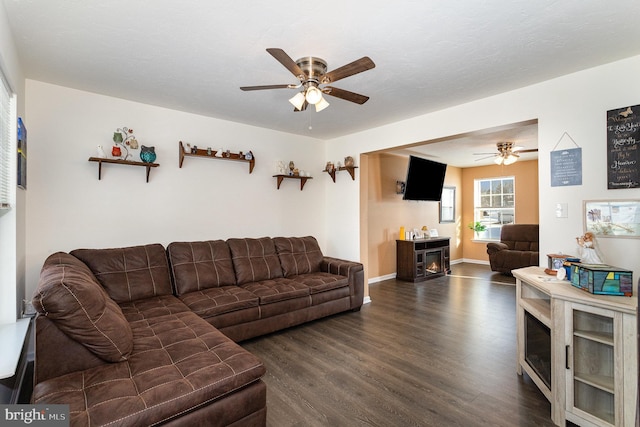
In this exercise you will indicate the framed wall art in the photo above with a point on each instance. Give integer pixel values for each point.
(612, 218)
(22, 155)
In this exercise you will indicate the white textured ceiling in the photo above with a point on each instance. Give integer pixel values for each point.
(194, 55)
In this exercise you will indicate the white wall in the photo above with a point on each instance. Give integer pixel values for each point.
(70, 208)
(575, 103)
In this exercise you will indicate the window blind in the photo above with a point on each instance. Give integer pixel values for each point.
(6, 154)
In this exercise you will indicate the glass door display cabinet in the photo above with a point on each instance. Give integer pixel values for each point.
(596, 383)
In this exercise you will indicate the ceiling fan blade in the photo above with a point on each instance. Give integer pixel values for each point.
(265, 87)
(288, 63)
(485, 154)
(484, 158)
(359, 65)
(345, 94)
(531, 150)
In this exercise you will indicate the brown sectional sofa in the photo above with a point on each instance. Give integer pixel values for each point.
(146, 335)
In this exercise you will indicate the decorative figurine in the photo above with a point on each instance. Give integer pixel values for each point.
(219, 152)
(101, 154)
(249, 155)
(116, 151)
(348, 161)
(292, 166)
(124, 137)
(208, 151)
(194, 149)
(329, 167)
(589, 254)
(148, 154)
(187, 148)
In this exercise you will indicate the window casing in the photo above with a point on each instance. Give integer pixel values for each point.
(494, 205)
(7, 154)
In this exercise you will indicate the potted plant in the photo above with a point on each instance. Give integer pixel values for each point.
(477, 227)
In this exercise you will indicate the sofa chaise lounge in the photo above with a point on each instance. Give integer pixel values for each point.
(148, 335)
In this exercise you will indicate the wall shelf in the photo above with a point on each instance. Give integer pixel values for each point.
(203, 153)
(303, 179)
(121, 162)
(350, 169)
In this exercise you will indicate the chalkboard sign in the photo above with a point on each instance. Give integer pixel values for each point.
(623, 157)
(566, 167)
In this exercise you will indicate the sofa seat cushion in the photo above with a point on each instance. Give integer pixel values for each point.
(131, 273)
(254, 259)
(152, 307)
(298, 255)
(179, 362)
(200, 265)
(70, 296)
(214, 301)
(280, 289)
(320, 281)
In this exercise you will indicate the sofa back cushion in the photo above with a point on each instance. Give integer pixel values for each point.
(298, 255)
(254, 259)
(520, 237)
(200, 265)
(129, 274)
(70, 296)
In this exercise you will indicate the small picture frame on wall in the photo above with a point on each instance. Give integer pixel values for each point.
(22, 155)
(448, 205)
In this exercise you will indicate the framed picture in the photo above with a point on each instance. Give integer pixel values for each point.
(448, 205)
(612, 218)
(22, 155)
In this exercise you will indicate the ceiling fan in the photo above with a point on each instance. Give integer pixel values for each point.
(313, 76)
(507, 153)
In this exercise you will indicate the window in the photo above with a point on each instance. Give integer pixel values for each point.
(7, 155)
(494, 205)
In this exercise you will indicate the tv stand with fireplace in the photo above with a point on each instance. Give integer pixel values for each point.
(422, 259)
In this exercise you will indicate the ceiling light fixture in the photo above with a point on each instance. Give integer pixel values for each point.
(298, 100)
(321, 105)
(312, 95)
(505, 159)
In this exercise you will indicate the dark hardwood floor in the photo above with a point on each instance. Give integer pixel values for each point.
(436, 353)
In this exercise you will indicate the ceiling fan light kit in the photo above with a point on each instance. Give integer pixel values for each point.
(312, 72)
(298, 100)
(507, 154)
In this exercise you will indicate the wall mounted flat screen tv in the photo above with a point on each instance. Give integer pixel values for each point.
(425, 179)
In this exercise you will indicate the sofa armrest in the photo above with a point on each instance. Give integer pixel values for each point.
(493, 247)
(57, 354)
(355, 273)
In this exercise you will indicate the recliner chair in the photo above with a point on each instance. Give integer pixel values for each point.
(518, 247)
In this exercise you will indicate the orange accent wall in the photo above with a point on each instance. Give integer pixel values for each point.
(387, 212)
(526, 203)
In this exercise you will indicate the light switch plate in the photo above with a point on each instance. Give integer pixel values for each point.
(562, 210)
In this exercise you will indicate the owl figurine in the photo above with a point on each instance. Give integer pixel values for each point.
(100, 153)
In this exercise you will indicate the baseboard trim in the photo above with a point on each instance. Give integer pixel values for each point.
(367, 300)
(381, 278)
(475, 261)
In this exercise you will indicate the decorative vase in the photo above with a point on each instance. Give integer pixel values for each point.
(147, 154)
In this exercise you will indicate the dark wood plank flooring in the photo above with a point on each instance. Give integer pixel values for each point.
(437, 353)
